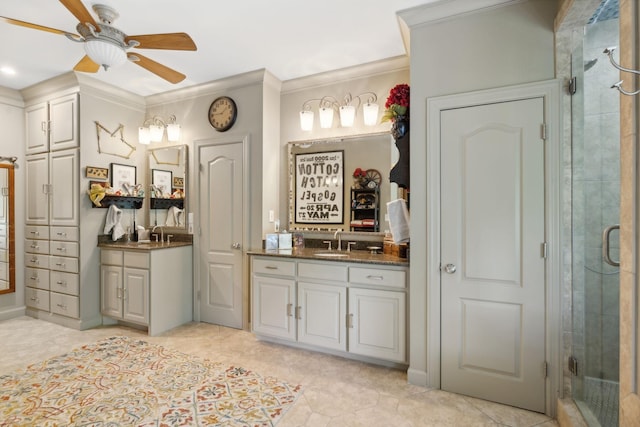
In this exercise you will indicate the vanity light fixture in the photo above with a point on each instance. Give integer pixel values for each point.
(328, 105)
(153, 128)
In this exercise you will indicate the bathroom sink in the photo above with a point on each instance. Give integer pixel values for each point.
(331, 255)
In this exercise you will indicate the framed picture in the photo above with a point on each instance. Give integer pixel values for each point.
(319, 189)
(97, 173)
(162, 180)
(123, 177)
(178, 182)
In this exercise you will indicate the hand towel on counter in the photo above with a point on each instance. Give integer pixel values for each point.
(113, 223)
(175, 217)
(399, 220)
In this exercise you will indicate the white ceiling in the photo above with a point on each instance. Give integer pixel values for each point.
(290, 38)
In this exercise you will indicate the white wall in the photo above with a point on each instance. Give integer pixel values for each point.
(496, 47)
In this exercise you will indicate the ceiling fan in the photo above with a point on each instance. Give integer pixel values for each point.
(107, 46)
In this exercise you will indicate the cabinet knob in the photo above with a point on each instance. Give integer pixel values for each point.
(236, 246)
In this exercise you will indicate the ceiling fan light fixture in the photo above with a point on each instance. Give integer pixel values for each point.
(105, 53)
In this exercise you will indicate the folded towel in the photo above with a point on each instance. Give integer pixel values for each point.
(399, 220)
(175, 217)
(113, 223)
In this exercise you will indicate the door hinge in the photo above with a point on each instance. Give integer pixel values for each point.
(544, 250)
(545, 369)
(573, 365)
(543, 131)
(572, 86)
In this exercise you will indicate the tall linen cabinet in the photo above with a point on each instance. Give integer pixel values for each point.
(62, 283)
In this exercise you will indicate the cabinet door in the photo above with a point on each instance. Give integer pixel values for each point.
(136, 295)
(37, 136)
(377, 322)
(111, 290)
(36, 194)
(63, 116)
(64, 197)
(322, 316)
(273, 307)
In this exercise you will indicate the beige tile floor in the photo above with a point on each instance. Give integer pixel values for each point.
(337, 392)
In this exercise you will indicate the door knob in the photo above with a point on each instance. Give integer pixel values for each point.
(449, 268)
(236, 246)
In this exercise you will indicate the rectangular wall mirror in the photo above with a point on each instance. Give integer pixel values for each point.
(323, 192)
(167, 191)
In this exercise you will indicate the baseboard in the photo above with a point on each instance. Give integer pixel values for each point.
(416, 377)
(13, 312)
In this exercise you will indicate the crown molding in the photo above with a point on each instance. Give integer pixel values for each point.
(447, 9)
(11, 97)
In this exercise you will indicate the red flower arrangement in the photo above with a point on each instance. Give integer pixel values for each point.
(359, 173)
(397, 103)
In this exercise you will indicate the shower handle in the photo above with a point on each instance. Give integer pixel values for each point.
(605, 245)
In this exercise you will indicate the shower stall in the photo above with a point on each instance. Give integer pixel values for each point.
(595, 215)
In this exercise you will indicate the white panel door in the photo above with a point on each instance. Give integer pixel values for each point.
(63, 116)
(110, 290)
(37, 128)
(136, 295)
(273, 302)
(322, 314)
(493, 272)
(221, 221)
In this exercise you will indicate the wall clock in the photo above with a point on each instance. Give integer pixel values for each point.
(222, 113)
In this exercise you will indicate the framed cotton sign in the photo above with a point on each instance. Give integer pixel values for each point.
(319, 187)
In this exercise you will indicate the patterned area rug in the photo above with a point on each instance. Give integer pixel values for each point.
(126, 382)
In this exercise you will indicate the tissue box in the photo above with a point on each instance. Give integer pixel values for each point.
(271, 241)
(285, 241)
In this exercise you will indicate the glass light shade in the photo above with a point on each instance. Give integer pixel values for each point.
(306, 120)
(144, 137)
(370, 114)
(347, 115)
(173, 132)
(326, 117)
(156, 132)
(105, 53)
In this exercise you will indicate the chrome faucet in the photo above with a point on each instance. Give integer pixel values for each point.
(338, 235)
(161, 232)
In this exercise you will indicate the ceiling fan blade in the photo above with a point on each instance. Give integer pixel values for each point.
(86, 65)
(156, 68)
(80, 12)
(36, 26)
(170, 41)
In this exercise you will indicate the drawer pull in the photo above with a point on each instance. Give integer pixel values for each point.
(350, 321)
(62, 306)
(35, 247)
(34, 261)
(61, 283)
(35, 299)
(371, 277)
(61, 264)
(35, 279)
(289, 307)
(37, 233)
(61, 249)
(298, 310)
(270, 267)
(61, 234)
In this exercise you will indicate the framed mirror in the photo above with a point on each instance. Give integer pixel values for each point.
(7, 229)
(167, 190)
(355, 168)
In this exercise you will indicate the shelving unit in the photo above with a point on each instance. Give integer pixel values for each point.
(365, 209)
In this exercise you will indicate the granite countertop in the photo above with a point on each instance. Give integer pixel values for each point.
(335, 255)
(178, 240)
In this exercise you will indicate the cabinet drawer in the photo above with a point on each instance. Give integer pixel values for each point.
(36, 277)
(37, 298)
(61, 263)
(66, 283)
(110, 257)
(37, 232)
(273, 266)
(64, 248)
(38, 261)
(326, 271)
(136, 259)
(36, 246)
(66, 305)
(379, 277)
(67, 234)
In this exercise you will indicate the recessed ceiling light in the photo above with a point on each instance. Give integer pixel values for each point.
(8, 71)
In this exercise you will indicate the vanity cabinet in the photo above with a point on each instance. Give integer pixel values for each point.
(52, 125)
(151, 288)
(340, 307)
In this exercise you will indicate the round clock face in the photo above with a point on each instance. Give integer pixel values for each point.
(222, 113)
